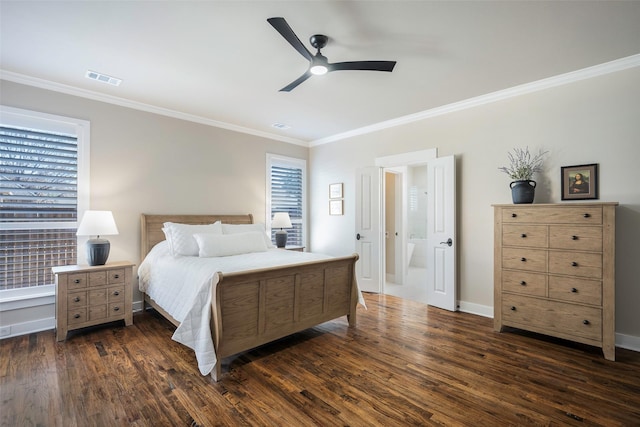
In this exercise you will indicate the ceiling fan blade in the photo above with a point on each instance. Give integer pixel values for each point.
(363, 65)
(285, 31)
(296, 82)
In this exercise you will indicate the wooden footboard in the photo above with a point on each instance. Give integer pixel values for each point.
(256, 307)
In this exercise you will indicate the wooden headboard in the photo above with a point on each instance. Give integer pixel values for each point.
(151, 226)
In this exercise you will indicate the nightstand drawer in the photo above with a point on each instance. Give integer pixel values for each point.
(77, 281)
(97, 278)
(76, 300)
(115, 293)
(98, 312)
(78, 315)
(116, 276)
(116, 309)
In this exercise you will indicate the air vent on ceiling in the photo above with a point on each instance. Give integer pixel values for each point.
(281, 126)
(103, 78)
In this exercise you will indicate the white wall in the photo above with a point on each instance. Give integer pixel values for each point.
(590, 121)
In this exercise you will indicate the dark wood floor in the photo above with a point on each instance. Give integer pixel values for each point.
(404, 364)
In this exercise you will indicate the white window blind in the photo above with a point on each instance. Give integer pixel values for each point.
(287, 178)
(38, 204)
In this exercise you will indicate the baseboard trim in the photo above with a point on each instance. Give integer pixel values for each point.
(628, 342)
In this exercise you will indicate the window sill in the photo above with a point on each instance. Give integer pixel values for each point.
(15, 299)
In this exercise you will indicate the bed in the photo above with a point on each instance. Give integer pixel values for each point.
(243, 309)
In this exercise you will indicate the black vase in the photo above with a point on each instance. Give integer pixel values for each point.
(523, 191)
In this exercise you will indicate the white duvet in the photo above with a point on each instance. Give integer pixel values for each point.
(182, 286)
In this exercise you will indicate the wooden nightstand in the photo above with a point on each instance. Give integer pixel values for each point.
(295, 248)
(88, 296)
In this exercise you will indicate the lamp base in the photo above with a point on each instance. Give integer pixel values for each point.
(281, 239)
(98, 251)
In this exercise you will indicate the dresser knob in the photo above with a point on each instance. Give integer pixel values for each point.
(523, 283)
(574, 237)
(523, 235)
(585, 322)
(523, 259)
(574, 264)
(574, 290)
(116, 293)
(513, 308)
(76, 299)
(76, 281)
(513, 215)
(116, 308)
(116, 276)
(77, 316)
(586, 215)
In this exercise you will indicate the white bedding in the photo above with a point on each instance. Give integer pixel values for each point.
(182, 286)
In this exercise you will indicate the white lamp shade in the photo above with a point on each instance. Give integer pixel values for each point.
(281, 220)
(97, 223)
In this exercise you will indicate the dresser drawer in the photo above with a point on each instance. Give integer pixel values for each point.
(579, 215)
(534, 236)
(575, 290)
(98, 312)
(525, 259)
(76, 281)
(552, 317)
(576, 238)
(524, 283)
(576, 264)
(98, 296)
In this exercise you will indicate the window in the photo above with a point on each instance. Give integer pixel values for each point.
(43, 186)
(286, 192)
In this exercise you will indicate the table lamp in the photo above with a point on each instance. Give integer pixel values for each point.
(281, 220)
(97, 223)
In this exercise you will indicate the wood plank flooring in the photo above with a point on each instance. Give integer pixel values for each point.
(404, 364)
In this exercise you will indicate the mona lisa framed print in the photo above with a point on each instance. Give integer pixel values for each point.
(579, 182)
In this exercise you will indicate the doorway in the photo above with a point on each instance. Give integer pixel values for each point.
(405, 237)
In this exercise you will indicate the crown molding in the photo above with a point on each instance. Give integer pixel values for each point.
(559, 80)
(83, 93)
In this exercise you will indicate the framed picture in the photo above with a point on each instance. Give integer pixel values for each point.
(335, 207)
(335, 191)
(579, 182)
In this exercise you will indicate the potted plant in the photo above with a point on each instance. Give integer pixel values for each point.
(522, 166)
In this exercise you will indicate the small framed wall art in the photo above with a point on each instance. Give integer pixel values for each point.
(335, 191)
(579, 182)
(335, 207)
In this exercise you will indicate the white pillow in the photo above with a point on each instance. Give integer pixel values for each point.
(213, 245)
(180, 236)
(246, 228)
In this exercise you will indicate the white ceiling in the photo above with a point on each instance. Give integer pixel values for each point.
(221, 62)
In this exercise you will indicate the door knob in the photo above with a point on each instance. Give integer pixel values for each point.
(358, 236)
(449, 242)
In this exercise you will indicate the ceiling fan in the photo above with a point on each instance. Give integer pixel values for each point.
(319, 64)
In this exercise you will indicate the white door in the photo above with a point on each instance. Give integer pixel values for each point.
(441, 233)
(368, 231)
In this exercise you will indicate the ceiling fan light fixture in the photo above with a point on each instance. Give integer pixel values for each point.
(318, 70)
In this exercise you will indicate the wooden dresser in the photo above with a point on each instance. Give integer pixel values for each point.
(554, 271)
(88, 296)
